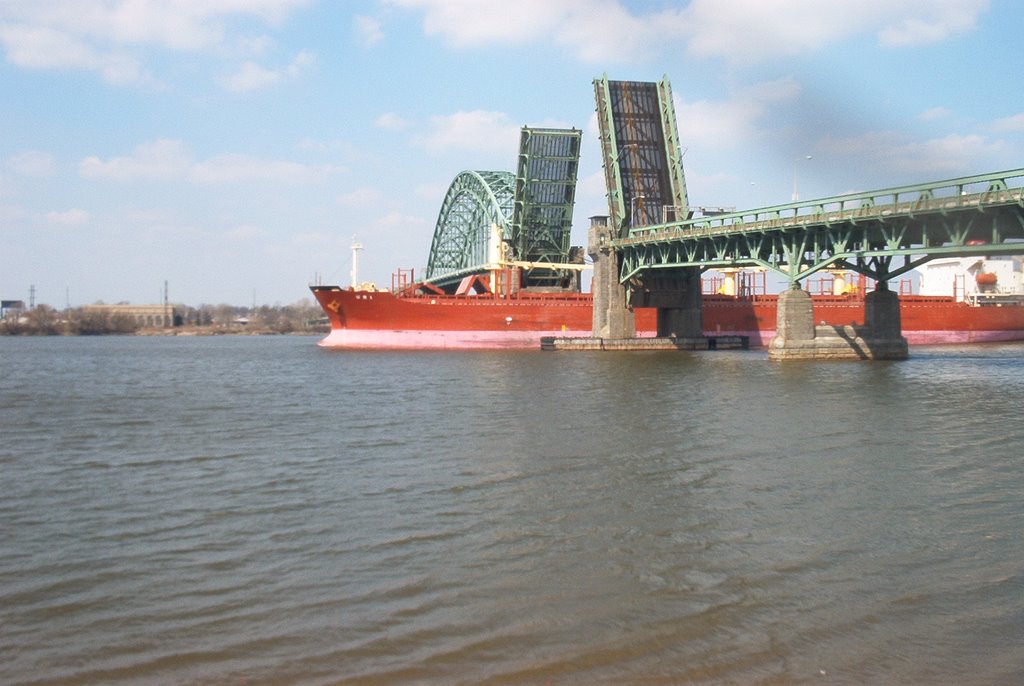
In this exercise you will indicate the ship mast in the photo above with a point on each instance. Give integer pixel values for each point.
(356, 247)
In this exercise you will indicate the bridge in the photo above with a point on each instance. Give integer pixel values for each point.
(493, 220)
(652, 248)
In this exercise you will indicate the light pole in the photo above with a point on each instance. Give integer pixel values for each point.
(796, 193)
(632, 208)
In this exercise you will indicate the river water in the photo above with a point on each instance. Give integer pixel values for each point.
(255, 510)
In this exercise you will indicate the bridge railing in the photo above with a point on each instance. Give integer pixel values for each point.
(952, 194)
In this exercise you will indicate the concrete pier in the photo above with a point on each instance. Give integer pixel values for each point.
(677, 298)
(797, 337)
(634, 344)
(612, 316)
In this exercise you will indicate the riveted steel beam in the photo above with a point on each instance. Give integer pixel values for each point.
(545, 192)
(982, 214)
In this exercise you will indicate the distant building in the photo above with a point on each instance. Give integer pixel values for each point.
(14, 307)
(146, 316)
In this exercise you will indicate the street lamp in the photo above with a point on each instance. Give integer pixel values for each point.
(796, 193)
(632, 208)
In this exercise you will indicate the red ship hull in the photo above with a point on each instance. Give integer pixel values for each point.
(383, 320)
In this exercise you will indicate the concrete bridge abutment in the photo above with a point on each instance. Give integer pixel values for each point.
(879, 338)
(612, 316)
(676, 295)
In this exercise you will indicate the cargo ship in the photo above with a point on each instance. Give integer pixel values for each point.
(954, 301)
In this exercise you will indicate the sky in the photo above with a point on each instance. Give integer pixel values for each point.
(235, 149)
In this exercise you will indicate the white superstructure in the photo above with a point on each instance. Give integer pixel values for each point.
(977, 280)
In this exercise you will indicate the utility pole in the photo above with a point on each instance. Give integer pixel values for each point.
(168, 322)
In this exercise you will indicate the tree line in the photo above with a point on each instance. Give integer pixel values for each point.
(43, 320)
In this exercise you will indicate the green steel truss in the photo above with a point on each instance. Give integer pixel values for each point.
(532, 210)
(545, 192)
(863, 232)
(640, 153)
(475, 200)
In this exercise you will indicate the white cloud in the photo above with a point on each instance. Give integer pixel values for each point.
(728, 123)
(470, 23)
(737, 30)
(949, 155)
(46, 48)
(251, 76)
(162, 159)
(936, 22)
(331, 147)
(591, 195)
(73, 217)
(390, 121)
(935, 113)
(231, 168)
(368, 31)
(585, 27)
(42, 47)
(1013, 123)
(168, 159)
(361, 198)
(32, 163)
(796, 26)
(101, 36)
(477, 130)
(188, 25)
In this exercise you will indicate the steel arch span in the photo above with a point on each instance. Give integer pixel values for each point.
(475, 201)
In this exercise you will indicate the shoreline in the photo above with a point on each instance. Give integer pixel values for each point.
(187, 332)
(234, 331)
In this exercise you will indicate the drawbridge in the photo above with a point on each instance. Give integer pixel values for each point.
(651, 250)
(492, 220)
(643, 164)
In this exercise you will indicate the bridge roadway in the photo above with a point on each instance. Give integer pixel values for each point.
(659, 265)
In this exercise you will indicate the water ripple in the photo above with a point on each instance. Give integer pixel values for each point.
(255, 511)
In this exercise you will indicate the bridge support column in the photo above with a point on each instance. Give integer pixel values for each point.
(794, 318)
(798, 338)
(677, 298)
(882, 313)
(884, 324)
(612, 316)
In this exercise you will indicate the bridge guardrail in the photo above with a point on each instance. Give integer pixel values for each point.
(952, 194)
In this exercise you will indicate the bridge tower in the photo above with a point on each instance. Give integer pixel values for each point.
(646, 186)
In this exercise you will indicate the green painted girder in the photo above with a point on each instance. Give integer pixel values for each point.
(545, 192)
(640, 153)
(475, 200)
(609, 151)
(673, 151)
(974, 215)
(532, 209)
